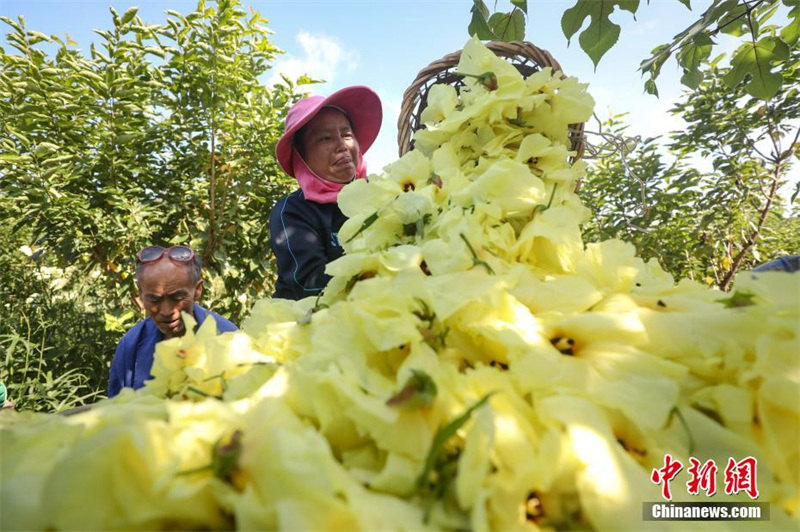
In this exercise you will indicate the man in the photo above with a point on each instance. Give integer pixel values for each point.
(169, 283)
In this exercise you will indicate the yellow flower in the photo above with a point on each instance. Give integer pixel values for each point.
(272, 326)
(445, 256)
(361, 198)
(610, 265)
(138, 458)
(291, 477)
(507, 184)
(32, 444)
(570, 102)
(550, 160)
(610, 483)
(565, 293)
(779, 419)
(551, 241)
(411, 171)
(441, 102)
(476, 60)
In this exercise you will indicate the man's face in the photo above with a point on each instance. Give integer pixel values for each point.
(166, 290)
(330, 147)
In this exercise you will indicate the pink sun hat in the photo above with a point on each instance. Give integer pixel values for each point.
(360, 103)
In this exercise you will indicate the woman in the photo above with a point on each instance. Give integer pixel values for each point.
(322, 146)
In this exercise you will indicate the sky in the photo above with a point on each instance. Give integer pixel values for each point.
(385, 43)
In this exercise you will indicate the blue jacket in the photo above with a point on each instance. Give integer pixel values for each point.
(304, 238)
(785, 263)
(134, 356)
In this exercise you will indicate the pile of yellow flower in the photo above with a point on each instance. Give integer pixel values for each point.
(473, 364)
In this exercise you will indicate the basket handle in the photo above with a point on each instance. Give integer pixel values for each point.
(525, 56)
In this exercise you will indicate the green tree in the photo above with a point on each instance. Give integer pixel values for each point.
(636, 196)
(162, 133)
(750, 143)
(706, 224)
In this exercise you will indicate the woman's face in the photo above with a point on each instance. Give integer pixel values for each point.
(329, 147)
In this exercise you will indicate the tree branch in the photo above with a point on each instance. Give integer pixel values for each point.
(212, 220)
(770, 197)
(726, 281)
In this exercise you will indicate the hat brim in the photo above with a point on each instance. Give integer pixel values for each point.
(363, 108)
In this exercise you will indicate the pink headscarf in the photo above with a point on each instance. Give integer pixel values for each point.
(314, 187)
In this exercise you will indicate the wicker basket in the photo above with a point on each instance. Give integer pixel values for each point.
(526, 57)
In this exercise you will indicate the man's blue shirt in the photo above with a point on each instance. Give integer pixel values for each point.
(133, 358)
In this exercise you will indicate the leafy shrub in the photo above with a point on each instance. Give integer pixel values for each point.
(161, 134)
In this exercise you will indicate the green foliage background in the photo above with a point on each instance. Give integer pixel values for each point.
(161, 134)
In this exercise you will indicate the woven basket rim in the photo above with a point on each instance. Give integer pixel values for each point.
(410, 110)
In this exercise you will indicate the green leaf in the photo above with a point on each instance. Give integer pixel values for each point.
(444, 434)
(738, 299)
(659, 54)
(12, 157)
(756, 61)
(780, 50)
(155, 51)
(691, 34)
(692, 55)
(598, 38)
(225, 455)
(521, 4)
(114, 15)
(11, 23)
(45, 148)
(58, 159)
(572, 19)
(765, 14)
(418, 391)
(629, 5)
(734, 22)
(690, 58)
(601, 34)
(692, 78)
(37, 36)
(129, 14)
(508, 26)
(790, 33)
(371, 219)
(703, 39)
(650, 87)
(687, 3)
(479, 25)
(765, 85)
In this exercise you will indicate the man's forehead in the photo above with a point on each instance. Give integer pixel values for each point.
(165, 274)
(162, 289)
